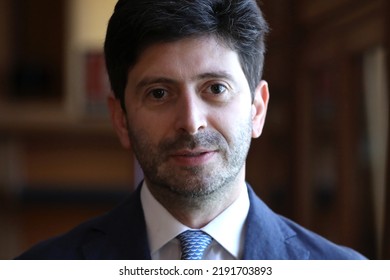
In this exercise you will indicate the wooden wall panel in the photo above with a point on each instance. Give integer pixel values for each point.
(330, 191)
(386, 234)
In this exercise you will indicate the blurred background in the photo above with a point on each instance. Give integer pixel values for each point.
(321, 160)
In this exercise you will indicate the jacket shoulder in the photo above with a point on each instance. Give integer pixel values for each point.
(102, 230)
(281, 238)
(65, 246)
(318, 247)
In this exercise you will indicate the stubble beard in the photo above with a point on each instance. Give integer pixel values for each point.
(194, 186)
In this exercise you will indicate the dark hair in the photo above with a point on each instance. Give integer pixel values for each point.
(137, 24)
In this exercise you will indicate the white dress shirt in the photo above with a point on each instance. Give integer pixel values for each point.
(227, 229)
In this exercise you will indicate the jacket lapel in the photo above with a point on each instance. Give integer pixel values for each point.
(121, 234)
(267, 236)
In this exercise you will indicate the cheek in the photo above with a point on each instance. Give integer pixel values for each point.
(228, 122)
(153, 127)
(238, 112)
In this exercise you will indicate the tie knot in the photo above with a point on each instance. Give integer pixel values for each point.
(193, 244)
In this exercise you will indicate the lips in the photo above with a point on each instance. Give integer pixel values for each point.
(190, 153)
(193, 157)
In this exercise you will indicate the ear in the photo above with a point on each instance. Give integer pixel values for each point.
(119, 121)
(259, 108)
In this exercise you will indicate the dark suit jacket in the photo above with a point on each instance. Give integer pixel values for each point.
(121, 234)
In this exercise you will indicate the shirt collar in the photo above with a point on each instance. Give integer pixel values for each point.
(161, 226)
(227, 228)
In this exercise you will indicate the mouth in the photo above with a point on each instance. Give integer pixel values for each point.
(194, 157)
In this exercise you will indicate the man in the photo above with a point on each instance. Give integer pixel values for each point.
(188, 98)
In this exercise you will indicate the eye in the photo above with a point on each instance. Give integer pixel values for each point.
(158, 93)
(217, 88)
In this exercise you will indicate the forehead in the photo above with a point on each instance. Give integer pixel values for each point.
(186, 57)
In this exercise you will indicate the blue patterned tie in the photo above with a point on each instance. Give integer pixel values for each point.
(193, 243)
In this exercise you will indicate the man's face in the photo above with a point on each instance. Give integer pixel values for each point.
(190, 116)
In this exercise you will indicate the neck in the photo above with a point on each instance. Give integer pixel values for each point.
(196, 212)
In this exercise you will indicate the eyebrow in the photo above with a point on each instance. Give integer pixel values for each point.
(216, 75)
(155, 80)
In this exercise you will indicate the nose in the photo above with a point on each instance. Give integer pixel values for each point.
(191, 114)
